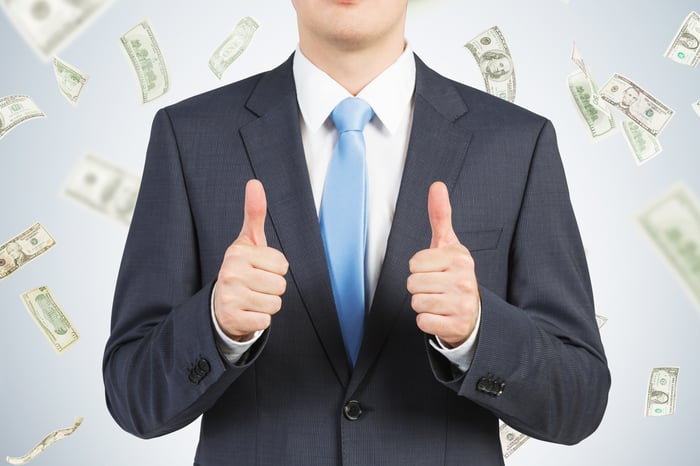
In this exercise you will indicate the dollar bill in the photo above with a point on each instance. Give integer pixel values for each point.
(23, 248)
(48, 25)
(685, 47)
(50, 318)
(600, 320)
(234, 45)
(46, 442)
(15, 110)
(104, 187)
(639, 105)
(661, 392)
(511, 439)
(643, 145)
(696, 108)
(584, 91)
(673, 224)
(495, 62)
(71, 80)
(147, 61)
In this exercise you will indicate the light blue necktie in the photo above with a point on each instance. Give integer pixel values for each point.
(344, 220)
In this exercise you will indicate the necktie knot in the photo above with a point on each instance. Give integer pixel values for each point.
(351, 114)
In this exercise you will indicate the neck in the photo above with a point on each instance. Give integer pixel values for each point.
(352, 67)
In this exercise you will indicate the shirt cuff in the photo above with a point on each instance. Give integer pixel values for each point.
(460, 356)
(231, 349)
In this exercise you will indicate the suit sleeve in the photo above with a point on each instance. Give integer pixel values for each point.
(539, 363)
(161, 366)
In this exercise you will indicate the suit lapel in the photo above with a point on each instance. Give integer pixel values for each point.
(274, 146)
(437, 147)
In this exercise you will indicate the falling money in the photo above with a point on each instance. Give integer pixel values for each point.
(661, 392)
(600, 320)
(685, 47)
(50, 318)
(511, 439)
(71, 80)
(104, 187)
(23, 248)
(493, 57)
(147, 61)
(233, 46)
(643, 145)
(15, 110)
(673, 224)
(583, 89)
(48, 25)
(46, 442)
(639, 105)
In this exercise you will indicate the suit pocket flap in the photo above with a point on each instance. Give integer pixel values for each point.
(480, 240)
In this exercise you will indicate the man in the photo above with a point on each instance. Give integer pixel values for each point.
(246, 332)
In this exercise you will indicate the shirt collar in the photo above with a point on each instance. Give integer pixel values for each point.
(389, 94)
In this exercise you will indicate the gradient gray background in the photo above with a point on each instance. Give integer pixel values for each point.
(653, 320)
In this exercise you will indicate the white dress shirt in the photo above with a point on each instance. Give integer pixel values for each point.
(386, 139)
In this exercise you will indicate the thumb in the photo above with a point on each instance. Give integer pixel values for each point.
(440, 215)
(255, 208)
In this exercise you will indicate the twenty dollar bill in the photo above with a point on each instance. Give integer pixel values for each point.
(46, 442)
(661, 392)
(673, 224)
(147, 61)
(50, 318)
(493, 57)
(15, 110)
(234, 45)
(23, 248)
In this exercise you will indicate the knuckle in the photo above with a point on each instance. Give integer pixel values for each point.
(410, 283)
(264, 321)
(276, 304)
(463, 261)
(416, 302)
(281, 286)
(412, 264)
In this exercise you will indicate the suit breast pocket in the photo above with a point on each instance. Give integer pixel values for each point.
(480, 240)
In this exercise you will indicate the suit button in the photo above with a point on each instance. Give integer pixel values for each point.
(198, 372)
(203, 366)
(194, 378)
(491, 385)
(352, 410)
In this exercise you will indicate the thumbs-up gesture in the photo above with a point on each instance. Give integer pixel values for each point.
(251, 278)
(443, 283)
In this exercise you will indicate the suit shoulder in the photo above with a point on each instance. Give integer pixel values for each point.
(480, 100)
(494, 108)
(229, 97)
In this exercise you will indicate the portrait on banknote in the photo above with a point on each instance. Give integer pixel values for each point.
(15, 251)
(496, 65)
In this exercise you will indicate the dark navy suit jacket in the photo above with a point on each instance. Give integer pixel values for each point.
(539, 363)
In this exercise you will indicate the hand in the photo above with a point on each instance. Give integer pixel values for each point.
(443, 281)
(251, 279)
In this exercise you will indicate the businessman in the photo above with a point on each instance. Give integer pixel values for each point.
(353, 260)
